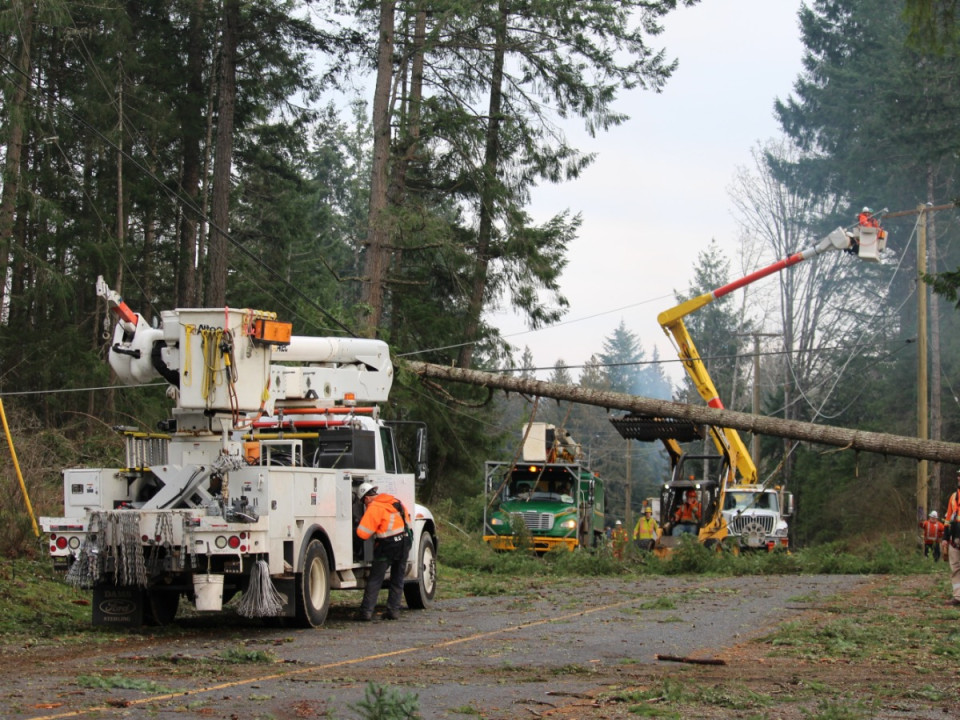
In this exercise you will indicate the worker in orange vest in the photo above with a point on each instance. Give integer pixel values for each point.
(950, 545)
(932, 535)
(686, 519)
(866, 218)
(618, 540)
(387, 519)
(647, 531)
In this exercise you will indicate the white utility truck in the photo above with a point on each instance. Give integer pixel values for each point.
(249, 487)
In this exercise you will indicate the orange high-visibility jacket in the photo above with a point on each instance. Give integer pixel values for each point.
(688, 513)
(381, 518)
(953, 508)
(932, 531)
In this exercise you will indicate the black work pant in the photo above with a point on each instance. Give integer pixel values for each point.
(387, 554)
(935, 547)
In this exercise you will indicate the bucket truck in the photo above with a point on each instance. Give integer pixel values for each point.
(733, 502)
(249, 486)
(549, 490)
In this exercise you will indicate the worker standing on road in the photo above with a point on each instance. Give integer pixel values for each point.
(387, 519)
(951, 542)
(686, 519)
(647, 531)
(619, 540)
(932, 530)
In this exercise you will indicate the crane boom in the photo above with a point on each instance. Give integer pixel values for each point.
(866, 241)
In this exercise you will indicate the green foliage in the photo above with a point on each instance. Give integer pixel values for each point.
(37, 606)
(120, 682)
(244, 656)
(384, 703)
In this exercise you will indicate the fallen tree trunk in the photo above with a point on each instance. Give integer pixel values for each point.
(859, 440)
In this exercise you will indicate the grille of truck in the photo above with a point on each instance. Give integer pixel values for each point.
(535, 520)
(737, 524)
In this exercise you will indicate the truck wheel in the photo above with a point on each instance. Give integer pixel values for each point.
(160, 606)
(419, 593)
(313, 586)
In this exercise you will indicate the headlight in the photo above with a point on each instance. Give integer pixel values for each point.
(781, 532)
(569, 524)
(497, 521)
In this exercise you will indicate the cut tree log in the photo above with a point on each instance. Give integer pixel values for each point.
(858, 440)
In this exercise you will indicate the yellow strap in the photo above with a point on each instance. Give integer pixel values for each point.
(186, 362)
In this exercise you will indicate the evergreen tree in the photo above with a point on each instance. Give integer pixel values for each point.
(715, 330)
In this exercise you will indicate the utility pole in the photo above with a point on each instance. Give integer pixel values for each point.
(923, 390)
(755, 440)
(923, 412)
(628, 491)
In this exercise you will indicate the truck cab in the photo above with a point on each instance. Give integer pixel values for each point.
(548, 494)
(757, 516)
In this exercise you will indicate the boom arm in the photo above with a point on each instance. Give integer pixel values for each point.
(728, 440)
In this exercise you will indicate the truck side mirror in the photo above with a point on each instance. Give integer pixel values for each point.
(420, 472)
(787, 504)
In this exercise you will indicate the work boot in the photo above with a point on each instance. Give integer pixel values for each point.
(363, 616)
(389, 614)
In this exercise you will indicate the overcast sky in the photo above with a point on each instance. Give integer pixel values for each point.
(657, 192)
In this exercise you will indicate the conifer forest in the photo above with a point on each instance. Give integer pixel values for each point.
(365, 168)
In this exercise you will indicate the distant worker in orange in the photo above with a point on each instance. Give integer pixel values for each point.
(932, 530)
(950, 545)
(866, 218)
(619, 540)
(647, 531)
(386, 518)
(686, 518)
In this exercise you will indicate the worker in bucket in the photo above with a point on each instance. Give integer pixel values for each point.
(950, 545)
(385, 518)
(647, 530)
(686, 519)
(932, 530)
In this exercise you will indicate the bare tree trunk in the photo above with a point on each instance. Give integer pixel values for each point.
(223, 158)
(121, 218)
(378, 232)
(933, 320)
(491, 167)
(16, 119)
(191, 117)
(857, 440)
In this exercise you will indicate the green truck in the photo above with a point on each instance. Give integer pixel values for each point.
(547, 494)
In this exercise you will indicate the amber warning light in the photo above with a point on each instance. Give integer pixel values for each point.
(272, 332)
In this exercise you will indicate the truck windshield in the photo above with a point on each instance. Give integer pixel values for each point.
(545, 486)
(751, 501)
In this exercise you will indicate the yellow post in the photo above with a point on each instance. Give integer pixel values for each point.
(16, 466)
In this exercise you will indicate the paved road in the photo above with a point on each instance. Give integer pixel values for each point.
(495, 657)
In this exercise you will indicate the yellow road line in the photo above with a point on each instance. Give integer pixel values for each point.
(328, 666)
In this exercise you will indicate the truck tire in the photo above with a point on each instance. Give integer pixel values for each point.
(313, 586)
(419, 593)
(160, 606)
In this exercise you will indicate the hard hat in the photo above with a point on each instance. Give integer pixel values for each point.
(866, 209)
(648, 511)
(933, 514)
(366, 488)
(618, 523)
(691, 493)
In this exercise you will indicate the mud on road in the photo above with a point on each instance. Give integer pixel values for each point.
(588, 648)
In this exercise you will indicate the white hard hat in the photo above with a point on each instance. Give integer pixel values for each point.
(618, 523)
(866, 209)
(366, 488)
(933, 513)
